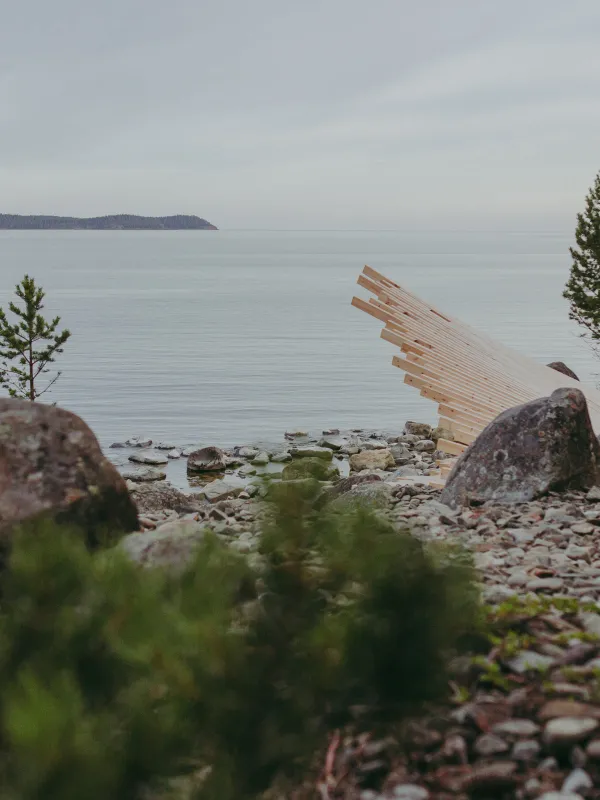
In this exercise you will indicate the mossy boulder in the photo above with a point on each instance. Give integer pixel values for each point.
(51, 466)
(315, 468)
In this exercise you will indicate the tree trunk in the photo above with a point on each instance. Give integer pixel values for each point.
(31, 379)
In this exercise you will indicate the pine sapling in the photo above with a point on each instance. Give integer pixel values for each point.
(29, 345)
(583, 287)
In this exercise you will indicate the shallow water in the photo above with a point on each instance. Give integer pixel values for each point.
(230, 337)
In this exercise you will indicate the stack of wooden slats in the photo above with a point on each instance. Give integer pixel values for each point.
(470, 376)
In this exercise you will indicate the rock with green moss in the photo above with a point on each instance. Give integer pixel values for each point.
(315, 468)
(51, 466)
(312, 451)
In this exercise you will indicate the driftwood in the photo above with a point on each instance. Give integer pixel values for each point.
(470, 376)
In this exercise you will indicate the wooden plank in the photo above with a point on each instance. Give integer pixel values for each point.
(472, 377)
(414, 369)
(452, 448)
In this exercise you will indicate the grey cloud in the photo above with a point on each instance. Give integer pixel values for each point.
(283, 114)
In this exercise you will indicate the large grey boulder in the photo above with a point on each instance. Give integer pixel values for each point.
(527, 451)
(207, 459)
(51, 466)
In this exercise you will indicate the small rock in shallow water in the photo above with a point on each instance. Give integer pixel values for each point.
(165, 446)
(332, 442)
(281, 458)
(246, 452)
(148, 457)
(261, 459)
(173, 454)
(138, 441)
(207, 459)
(312, 451)
(295, 434)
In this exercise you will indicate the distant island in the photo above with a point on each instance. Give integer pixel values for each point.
(112, 222)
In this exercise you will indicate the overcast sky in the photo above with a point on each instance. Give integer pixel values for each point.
(302, 114)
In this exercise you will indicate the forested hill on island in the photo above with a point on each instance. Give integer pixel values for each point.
(113, 222)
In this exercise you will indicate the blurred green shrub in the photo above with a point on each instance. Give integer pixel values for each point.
(114, 680)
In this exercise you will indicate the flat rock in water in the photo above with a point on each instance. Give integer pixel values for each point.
(246, 452)
(165, 446)
(138, 441)
(281, 458)
(207, 459)
(312, 452)
(261, 459)
(174, 454)
(148, 457)
(145, 475)
(527, 451)
(51, 465)
(332, 442)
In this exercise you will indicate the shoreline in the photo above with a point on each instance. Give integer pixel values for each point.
(522, 718)
(137, 455)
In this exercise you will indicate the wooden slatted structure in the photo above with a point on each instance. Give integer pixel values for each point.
(470, 376)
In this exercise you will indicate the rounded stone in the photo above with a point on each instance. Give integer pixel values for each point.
(490, 745)
(566, 731)
(410, 791)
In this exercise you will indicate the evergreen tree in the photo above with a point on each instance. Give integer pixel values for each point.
(583, 287)
(30, 344)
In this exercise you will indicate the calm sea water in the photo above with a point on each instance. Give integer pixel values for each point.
(228, 337)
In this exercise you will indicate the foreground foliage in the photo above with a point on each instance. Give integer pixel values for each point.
(116, 679)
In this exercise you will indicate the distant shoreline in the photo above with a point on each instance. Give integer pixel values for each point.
(111, 222)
